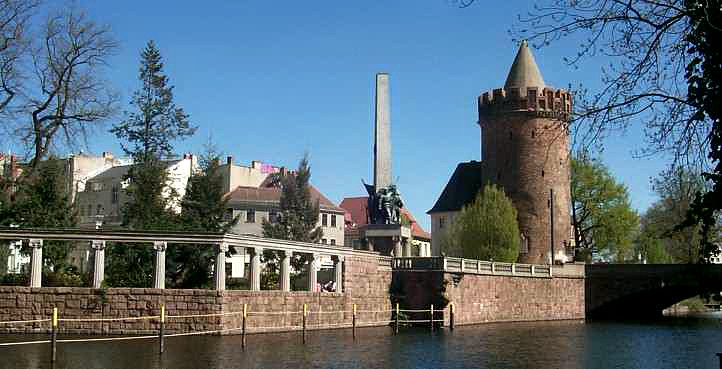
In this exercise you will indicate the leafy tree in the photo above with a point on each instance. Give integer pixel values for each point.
(486, 229)
(604, 220)
(158, 122)
(149, 134)
(704, 76)
(42, 202)
(676, 188)
(297, 219)
(203, 209)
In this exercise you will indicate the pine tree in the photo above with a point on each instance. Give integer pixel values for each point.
(158, 121)
(203, 209)
(296, 221)
(148, 134)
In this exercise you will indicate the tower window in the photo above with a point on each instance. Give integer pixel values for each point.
(533, 133)
(511, 135)
(542, 173)
(441, 222)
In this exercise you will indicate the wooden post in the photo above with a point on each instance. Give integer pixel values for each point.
(396, 328)
(161, 329)
(243, 326)
(451, 316)
(54, 336)
(431, 319)
(305, 311)
(353, 322)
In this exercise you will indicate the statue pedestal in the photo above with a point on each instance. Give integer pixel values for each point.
(388, 239)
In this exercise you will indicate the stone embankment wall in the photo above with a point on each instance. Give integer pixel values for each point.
(495, 298)
(366, 284)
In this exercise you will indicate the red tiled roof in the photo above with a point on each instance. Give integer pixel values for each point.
(356, 210)
(273, 194)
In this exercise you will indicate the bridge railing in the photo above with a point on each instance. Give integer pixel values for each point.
(471, 266)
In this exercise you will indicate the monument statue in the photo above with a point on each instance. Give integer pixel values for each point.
(384, 206)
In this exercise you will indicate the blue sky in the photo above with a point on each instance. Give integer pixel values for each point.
(270, 80)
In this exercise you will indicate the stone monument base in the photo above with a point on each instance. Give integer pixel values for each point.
(388, 239)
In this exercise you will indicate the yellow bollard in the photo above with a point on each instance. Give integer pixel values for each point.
(243, 327)
(353, 322)
(161, 329)
(54, 335)
(305, 312)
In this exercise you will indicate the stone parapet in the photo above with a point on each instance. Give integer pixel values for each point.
(542, 102)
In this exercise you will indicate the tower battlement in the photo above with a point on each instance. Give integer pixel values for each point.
(544, 102)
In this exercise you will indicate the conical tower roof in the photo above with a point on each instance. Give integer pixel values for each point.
(524, 72)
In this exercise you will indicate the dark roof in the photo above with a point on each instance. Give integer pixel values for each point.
(356, 214)
(462, 188)
(272, 195)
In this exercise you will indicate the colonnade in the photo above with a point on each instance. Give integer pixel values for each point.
(98, 250)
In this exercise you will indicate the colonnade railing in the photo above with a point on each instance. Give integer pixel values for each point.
(247, 322)
(97, 239)
(471, 266)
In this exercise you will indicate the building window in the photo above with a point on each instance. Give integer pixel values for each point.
(333, 242)
(99, 210)
(250, 216)
(272, 216)
(228, 215)
(323, 241)
(524, 244)
(90, 210)
(333, 220)
(324, 220)
(114, 195)
(442, 222)
(542, 173)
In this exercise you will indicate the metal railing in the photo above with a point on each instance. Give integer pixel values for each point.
(471, 266)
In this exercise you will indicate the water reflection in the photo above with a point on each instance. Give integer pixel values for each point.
(672, 343)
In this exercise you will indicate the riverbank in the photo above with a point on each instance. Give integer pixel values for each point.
(661, 344)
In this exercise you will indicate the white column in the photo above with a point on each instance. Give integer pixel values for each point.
(159, 272)
(36, 262)
(312, 272)
(219, 275)
(255, 267)
(285, 272)
(406, 246)
(98, 248)
(338, 272)
(398, 251)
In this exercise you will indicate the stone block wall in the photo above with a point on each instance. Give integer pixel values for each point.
(481, 298)
(490, 298)
(366, 284)
(24, 303)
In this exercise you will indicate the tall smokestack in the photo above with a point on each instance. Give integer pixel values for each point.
(382, 134)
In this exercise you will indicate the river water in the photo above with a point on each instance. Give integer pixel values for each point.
(667, 343)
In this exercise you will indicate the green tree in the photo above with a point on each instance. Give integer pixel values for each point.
(604, 220)
(297, 219)
(148, 134)
(203, 209)
(486, 229)
(158, 122)
(42, 202)
(704, 76)
(676, 188)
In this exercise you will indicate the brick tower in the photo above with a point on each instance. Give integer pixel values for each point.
(525, 150)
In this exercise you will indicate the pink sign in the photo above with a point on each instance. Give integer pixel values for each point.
(267, 168)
